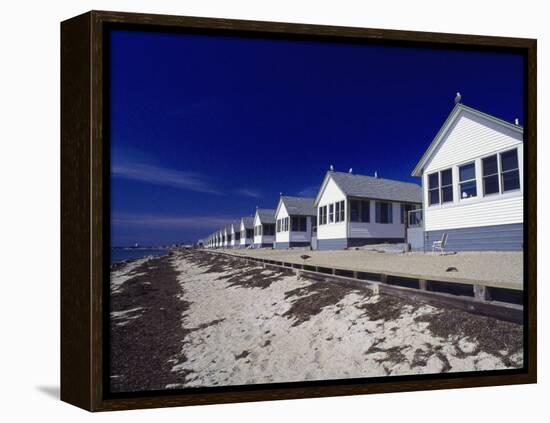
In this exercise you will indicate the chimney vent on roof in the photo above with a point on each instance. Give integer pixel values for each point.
(331, 167)
(350, 170)
(376, 174)
(458, 98)
(516, 121)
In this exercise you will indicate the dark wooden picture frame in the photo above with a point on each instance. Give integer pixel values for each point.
(84, 172)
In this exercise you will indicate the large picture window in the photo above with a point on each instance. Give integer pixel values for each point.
(299, 224)
(509, 166)
(269, 229)
(467, 180)
(384, 212)
(359, 211)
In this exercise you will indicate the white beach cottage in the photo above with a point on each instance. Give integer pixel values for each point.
(235, 234)
(295, 219)
(264, 228)
(355, 210)
(247, 232)
(472, 179)
(226, 234)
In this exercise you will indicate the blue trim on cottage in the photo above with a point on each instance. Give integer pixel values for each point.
(286, 245)
(484, 238)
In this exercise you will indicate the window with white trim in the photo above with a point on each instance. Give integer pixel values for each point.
(323, 215)
(339, 213)
(440, 187)
(446, 186)
(509, 170)
(467, 180)
(490, 175)
(433, 188)
(331, 213)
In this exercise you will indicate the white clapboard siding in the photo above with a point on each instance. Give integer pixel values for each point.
(281, 214)
(471, 136)
(331, 194)
(500, 210)
(244, 241)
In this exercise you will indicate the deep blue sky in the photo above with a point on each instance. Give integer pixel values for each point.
(204, 129)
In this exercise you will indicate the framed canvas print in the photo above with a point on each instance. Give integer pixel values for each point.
(257, 211)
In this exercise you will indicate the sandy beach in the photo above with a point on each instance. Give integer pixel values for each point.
(197, 319)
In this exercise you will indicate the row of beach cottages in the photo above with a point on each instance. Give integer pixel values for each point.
(471, 189)
(349, 210)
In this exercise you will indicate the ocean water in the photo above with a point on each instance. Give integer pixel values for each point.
(130, 254)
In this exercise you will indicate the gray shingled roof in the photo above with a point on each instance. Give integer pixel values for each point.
(248, 222)
(236, 225)
(266, 215)
(377, 188)
(299, 206)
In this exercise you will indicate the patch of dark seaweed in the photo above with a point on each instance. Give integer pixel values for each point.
(243, 354)
(142, 350)
(420, 358)
(255, 278)
(213, 263)
(393, 354)
(491, 335)
(203, 326)
(312, 299)
(386, 308)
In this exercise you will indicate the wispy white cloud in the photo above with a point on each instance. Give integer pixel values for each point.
(150, 173)
(246, 192)
(170, 222)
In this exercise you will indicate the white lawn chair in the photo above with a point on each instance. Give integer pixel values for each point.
(440, 245)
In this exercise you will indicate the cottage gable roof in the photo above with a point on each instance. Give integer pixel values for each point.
(455, 114)
(298, 206)
(248, 222)
(266, 215)
(353, 185)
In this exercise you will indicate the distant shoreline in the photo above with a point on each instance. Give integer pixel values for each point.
(126, 255)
